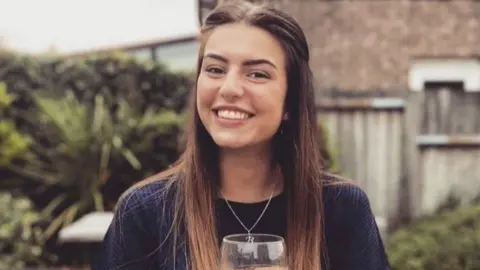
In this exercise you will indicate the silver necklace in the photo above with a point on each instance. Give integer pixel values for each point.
(250, 238)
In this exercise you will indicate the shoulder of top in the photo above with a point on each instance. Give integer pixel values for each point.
(339, 190)
(147, 195)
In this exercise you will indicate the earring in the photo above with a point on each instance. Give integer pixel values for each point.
(285, 116)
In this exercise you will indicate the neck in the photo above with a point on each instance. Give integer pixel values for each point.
(248, 175)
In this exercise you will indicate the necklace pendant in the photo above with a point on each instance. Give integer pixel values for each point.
(250, 239)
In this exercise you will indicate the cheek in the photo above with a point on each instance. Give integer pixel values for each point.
(271, 102)
(272, 107)
(205, 94)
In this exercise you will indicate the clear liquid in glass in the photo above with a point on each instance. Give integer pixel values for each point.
(253, 252)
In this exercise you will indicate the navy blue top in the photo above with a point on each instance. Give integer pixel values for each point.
(138, 235)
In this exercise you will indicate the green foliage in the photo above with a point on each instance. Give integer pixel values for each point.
(5, 98)
(328, 153)
(21, 240)
(12, 143)
(95, 126)
(84, 144)
(114, 76)
(449, 240)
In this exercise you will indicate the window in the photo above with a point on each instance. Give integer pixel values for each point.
(426, 72)
(142, 54)
(453, 85)
(178, 56)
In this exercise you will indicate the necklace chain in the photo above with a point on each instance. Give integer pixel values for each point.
(258, 219)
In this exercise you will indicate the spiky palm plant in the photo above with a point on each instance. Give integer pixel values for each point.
(76, 144)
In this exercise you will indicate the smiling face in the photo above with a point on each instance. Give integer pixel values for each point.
(241, 86)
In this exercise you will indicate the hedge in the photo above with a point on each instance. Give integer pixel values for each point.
(449, 240)
(91, 128)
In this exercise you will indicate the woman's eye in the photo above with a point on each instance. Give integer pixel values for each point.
(258, 75)
(214, 70)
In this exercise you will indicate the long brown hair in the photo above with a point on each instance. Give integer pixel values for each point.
(296, 150)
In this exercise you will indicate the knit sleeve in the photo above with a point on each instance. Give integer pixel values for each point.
(128, 243)
(360, 242)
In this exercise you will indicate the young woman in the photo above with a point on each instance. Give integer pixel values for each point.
(252, 148)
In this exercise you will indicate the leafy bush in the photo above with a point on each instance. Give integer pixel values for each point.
(449, 240)
(12, 143)
(96, 126)
(327, 151)
(141, 84)
(85, 147)
(21, 240)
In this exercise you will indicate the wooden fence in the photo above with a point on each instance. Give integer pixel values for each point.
(409, 153)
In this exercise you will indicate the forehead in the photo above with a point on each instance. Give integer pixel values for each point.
(240, 41)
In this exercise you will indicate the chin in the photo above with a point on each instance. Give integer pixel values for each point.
(230, 144)
(236, 142)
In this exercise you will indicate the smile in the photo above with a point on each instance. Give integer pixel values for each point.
(232, 115)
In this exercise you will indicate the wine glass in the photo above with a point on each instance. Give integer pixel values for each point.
(253, 251)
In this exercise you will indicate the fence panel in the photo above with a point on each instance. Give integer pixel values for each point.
(367, 138)
(409, 154)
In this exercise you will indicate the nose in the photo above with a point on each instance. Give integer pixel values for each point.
(231, 87)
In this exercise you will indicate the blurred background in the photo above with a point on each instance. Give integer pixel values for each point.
(93, 93)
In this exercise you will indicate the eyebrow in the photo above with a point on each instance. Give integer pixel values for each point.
(250, 62)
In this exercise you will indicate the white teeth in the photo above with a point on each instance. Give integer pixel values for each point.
(232, 114)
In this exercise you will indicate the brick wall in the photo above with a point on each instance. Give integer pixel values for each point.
(367, 44)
